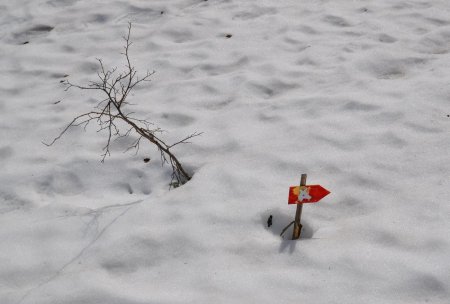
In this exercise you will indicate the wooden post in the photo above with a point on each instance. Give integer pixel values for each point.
(298, 214)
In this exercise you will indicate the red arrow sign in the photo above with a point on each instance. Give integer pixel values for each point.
(306, 194)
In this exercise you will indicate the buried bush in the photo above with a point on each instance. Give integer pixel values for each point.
(113, 118)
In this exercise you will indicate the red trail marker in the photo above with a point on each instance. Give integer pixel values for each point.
(299, 195)
(306, 194)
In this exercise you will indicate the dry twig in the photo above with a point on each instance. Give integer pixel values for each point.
(110, 113)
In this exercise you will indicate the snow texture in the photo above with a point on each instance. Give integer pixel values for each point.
(354, 93)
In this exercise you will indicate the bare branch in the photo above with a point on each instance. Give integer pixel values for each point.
(185, 140)
(110, 113)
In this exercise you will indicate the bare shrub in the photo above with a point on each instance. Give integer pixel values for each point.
(112, 117)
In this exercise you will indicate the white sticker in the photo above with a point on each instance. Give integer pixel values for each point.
(303, 195)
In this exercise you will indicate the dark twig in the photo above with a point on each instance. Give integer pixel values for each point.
(286, 228)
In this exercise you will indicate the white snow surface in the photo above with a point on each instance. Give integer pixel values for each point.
(354, 93)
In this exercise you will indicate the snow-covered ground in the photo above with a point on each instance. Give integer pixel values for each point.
(354, 93)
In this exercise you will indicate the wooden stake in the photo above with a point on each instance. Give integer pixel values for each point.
(298, 214)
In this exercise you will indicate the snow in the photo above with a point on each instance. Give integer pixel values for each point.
(353, 93)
